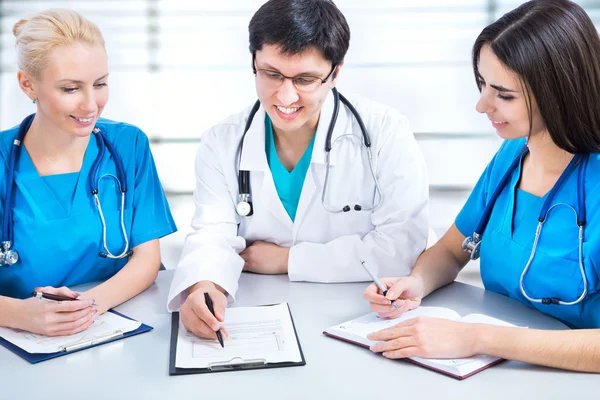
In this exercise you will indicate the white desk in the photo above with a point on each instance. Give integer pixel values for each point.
(137, 367)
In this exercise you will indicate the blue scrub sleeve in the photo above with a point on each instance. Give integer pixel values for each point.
(469, 216)
(3, 174)
(152, 217)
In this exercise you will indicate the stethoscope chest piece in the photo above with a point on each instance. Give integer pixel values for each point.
(8, 257)
(473, 246)
(244, 207)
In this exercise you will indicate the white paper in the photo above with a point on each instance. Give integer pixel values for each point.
(263, 333)
(105, 325)
(358, 329)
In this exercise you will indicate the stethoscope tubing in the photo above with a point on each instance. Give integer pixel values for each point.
(475, 240)
(7, 225)
(244, 176)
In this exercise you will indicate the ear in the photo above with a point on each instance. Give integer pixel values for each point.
(26, 84)
(336, 73)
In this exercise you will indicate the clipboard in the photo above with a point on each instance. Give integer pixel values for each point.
(35, 358)
(236, 364)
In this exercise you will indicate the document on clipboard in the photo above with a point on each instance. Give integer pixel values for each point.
(259, 337)
(106, 328)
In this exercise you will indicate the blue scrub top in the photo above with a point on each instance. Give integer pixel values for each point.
(57, 228)
(508, 240)
(287, 183)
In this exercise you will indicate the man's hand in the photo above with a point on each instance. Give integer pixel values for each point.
(196, 316)
(266, 258)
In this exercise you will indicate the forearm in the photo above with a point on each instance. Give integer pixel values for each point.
(577, 350)
(436, 267)
(136, 276)
(8, 308)
(440, 264)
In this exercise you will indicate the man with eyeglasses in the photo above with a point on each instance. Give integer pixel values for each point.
(283, 197)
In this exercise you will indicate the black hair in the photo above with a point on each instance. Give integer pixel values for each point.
(553, 46)
(300, 25)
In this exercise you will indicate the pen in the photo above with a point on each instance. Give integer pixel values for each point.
(91, 342)
(55, 297)
(209, 304)
(380, 285)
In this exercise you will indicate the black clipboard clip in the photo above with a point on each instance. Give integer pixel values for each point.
(240, 364)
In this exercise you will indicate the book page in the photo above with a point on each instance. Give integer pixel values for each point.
(255, 333)
(105, 325)
(358, 329)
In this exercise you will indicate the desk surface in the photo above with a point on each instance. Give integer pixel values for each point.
(137, 367)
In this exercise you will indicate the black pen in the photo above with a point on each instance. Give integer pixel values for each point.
(209, 304)
(55, 297)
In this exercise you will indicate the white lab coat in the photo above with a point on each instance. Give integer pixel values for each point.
(324, 247)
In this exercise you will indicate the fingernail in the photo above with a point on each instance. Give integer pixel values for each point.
(215, 327)
(92, 302)
(95, 311)
(77, 294)
(391, 295)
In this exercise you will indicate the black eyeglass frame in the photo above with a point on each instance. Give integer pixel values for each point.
(292, 78)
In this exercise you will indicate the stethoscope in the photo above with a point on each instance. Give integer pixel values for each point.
(472, 244)
(8, 255)
(244, 206)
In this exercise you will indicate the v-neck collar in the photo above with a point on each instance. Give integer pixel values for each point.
(44, 204)
(273, 158)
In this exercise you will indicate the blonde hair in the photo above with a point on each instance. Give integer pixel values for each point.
(41, 33)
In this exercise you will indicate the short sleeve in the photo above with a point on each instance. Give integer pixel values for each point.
(152, 217)
(468, 218)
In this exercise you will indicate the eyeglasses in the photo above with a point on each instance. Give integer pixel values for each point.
(303, 83)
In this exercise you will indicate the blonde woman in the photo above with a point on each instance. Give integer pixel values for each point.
(80, 198)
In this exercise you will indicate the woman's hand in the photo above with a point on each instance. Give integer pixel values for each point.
(427, 338)
(55, 318)
(406, 291)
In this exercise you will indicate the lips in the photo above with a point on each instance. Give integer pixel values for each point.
(287, 113)
(87, 121)
(499, 124)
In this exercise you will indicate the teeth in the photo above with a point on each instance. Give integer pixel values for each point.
(288, 110)
(84, 120)
(498, 122)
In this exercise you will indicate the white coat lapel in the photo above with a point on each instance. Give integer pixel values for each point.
(313, 182)
(254, 159)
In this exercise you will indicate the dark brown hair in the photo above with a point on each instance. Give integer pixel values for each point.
(553, 46)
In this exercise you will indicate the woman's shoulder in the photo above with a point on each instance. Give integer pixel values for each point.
(7, 138)
(121, 132)
(509, 150)
(504, 157)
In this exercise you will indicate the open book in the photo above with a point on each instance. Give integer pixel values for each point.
(356, 331)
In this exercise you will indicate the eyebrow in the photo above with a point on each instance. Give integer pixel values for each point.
(76, 81)
(306, 73)
(503, 89)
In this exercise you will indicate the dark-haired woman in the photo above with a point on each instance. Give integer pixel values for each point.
(538, 70)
